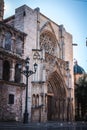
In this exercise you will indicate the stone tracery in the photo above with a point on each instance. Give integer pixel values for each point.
(48, 42)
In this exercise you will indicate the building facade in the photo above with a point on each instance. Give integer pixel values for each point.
(28, 33)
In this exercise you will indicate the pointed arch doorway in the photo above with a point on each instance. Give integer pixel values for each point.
(56, 98)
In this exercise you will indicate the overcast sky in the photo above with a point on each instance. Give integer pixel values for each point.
(71, 13)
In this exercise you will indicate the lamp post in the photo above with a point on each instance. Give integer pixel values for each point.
(27, 73)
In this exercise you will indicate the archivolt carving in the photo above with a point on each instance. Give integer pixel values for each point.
(50, 59)
(57, 86)
(57, 96)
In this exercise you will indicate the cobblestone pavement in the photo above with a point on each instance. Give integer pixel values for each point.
(44, 126)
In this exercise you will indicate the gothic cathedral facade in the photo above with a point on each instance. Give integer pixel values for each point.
(29, 33)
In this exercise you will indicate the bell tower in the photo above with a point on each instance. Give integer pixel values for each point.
(1, 9)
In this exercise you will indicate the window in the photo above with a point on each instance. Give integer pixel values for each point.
(8, 41)
(48, 43)
(6, 70)
(19, 46)
(11, 99)
(37, 100)
(33, 100)
(17, 74)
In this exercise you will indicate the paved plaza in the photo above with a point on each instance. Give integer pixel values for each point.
(44, 126)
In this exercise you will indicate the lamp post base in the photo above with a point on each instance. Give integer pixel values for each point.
(25, 118)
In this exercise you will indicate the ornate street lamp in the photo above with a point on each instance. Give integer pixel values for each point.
(27, 73)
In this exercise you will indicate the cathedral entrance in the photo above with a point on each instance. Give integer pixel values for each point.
(50, 107)
(56, 99)
(56, 89)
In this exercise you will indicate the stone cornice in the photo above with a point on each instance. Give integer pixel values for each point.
(6, 53)
(38, 82)
(10, 27)
(9, 18)
(3, 82)
(36, 49)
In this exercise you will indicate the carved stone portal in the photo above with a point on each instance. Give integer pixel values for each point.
(56, 87)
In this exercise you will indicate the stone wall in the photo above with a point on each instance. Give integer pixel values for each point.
(8, 111)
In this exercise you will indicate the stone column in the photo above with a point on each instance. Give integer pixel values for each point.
(38, 28)
(2, 44)
(35, 76)
(23, 77)
(1, 39)
(39, 71)
(12, 71)
(13, 46)
(45, 102)
(23, 47)
(44, 73)
(65, 110)
(1, 69)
